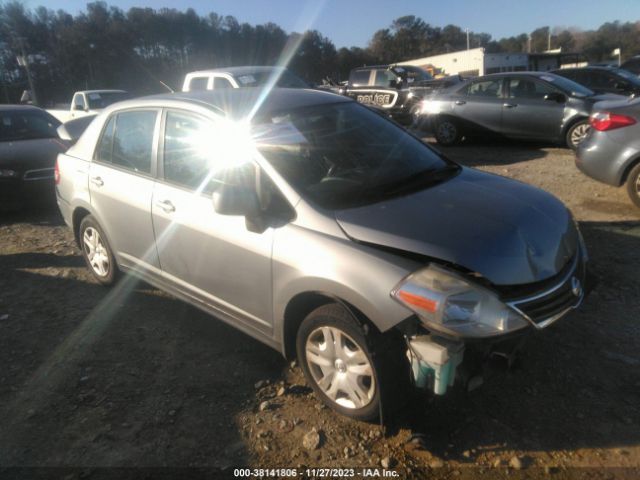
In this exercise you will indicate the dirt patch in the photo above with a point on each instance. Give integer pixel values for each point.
(130, 377)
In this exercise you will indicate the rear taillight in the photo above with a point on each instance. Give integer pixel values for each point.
(604, 121)
(56, 173)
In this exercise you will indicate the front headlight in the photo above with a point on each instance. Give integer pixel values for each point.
(4, 173)
(448, 303)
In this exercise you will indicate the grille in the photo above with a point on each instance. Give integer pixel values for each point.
(39, 174)
(549, 304)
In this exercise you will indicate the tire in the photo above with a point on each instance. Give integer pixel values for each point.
(576, 134)
(96, 252)
(417, 119)
(633, 185)
(363, 369)
(447, 132)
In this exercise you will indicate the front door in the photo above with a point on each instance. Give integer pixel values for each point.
(479, 106)
(526, 112)
(213, 257)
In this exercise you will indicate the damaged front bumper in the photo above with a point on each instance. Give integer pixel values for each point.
(438, 361)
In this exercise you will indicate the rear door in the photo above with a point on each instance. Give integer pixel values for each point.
(526, 112)
(479, 105)
(121, 179)
(213, 257)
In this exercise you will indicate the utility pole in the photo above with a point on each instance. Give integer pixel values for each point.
(25, 63)
(467, 38)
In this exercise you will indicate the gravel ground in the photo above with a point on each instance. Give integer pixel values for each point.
(131, 377)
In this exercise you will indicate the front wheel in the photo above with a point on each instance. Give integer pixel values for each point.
(447, 132)
(633, 185)
(337, 357)
(576, 134)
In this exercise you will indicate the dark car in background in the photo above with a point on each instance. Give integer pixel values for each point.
(603, 79)
(395, 90)
(29, 145)
(523, 105)
(632, 65)
(610, 153)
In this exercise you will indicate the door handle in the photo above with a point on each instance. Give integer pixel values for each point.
(166, 205)
(460, 102)
(510, 105)
(97, 181)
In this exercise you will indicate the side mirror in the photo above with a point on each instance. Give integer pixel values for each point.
(235, 200)
(556, 97)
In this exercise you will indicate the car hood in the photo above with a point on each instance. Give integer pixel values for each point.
(30, 154)
(509, 232)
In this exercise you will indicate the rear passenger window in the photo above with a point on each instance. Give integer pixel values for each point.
(103, 152)
(198, 83)
(133, 140)
(488, 88)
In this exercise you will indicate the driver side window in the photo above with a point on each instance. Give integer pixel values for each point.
(78, 102)
(487, 89)
(526, 88)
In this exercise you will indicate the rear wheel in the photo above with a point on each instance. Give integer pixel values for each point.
(576, 134)
(633, 185)
(97, 252)
(447, 132)
(350, 367)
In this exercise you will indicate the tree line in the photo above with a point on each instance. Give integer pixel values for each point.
(143, 49)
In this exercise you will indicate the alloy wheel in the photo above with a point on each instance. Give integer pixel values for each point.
(578, 133)
(447, 132)
(340, 367)
(95, 251)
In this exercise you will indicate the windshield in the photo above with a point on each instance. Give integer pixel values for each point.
(27, 125)
(343, 154)
(257, 79)
(413, 74)
(569, 86)
(628, 76)
(99, 100)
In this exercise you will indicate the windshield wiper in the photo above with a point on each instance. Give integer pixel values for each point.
(414, 181)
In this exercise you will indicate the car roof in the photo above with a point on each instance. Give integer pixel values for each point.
(238, 102)
(14, 107)
(608, 68)
(102, 91)
(243, 70)
(511, 74)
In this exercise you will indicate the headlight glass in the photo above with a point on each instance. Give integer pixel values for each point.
(4, 173)
(450, 304)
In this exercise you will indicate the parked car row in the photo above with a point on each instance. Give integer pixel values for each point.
(522, 105)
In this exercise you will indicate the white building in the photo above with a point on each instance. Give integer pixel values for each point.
(477, 62)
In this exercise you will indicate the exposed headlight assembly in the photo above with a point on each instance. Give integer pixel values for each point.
(448, 303)
(4, 173)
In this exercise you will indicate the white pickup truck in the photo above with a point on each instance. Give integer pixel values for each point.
(89, 102)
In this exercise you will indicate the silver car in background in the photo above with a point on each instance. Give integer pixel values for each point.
(610, 152)
(325, 231)
(536, 106)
